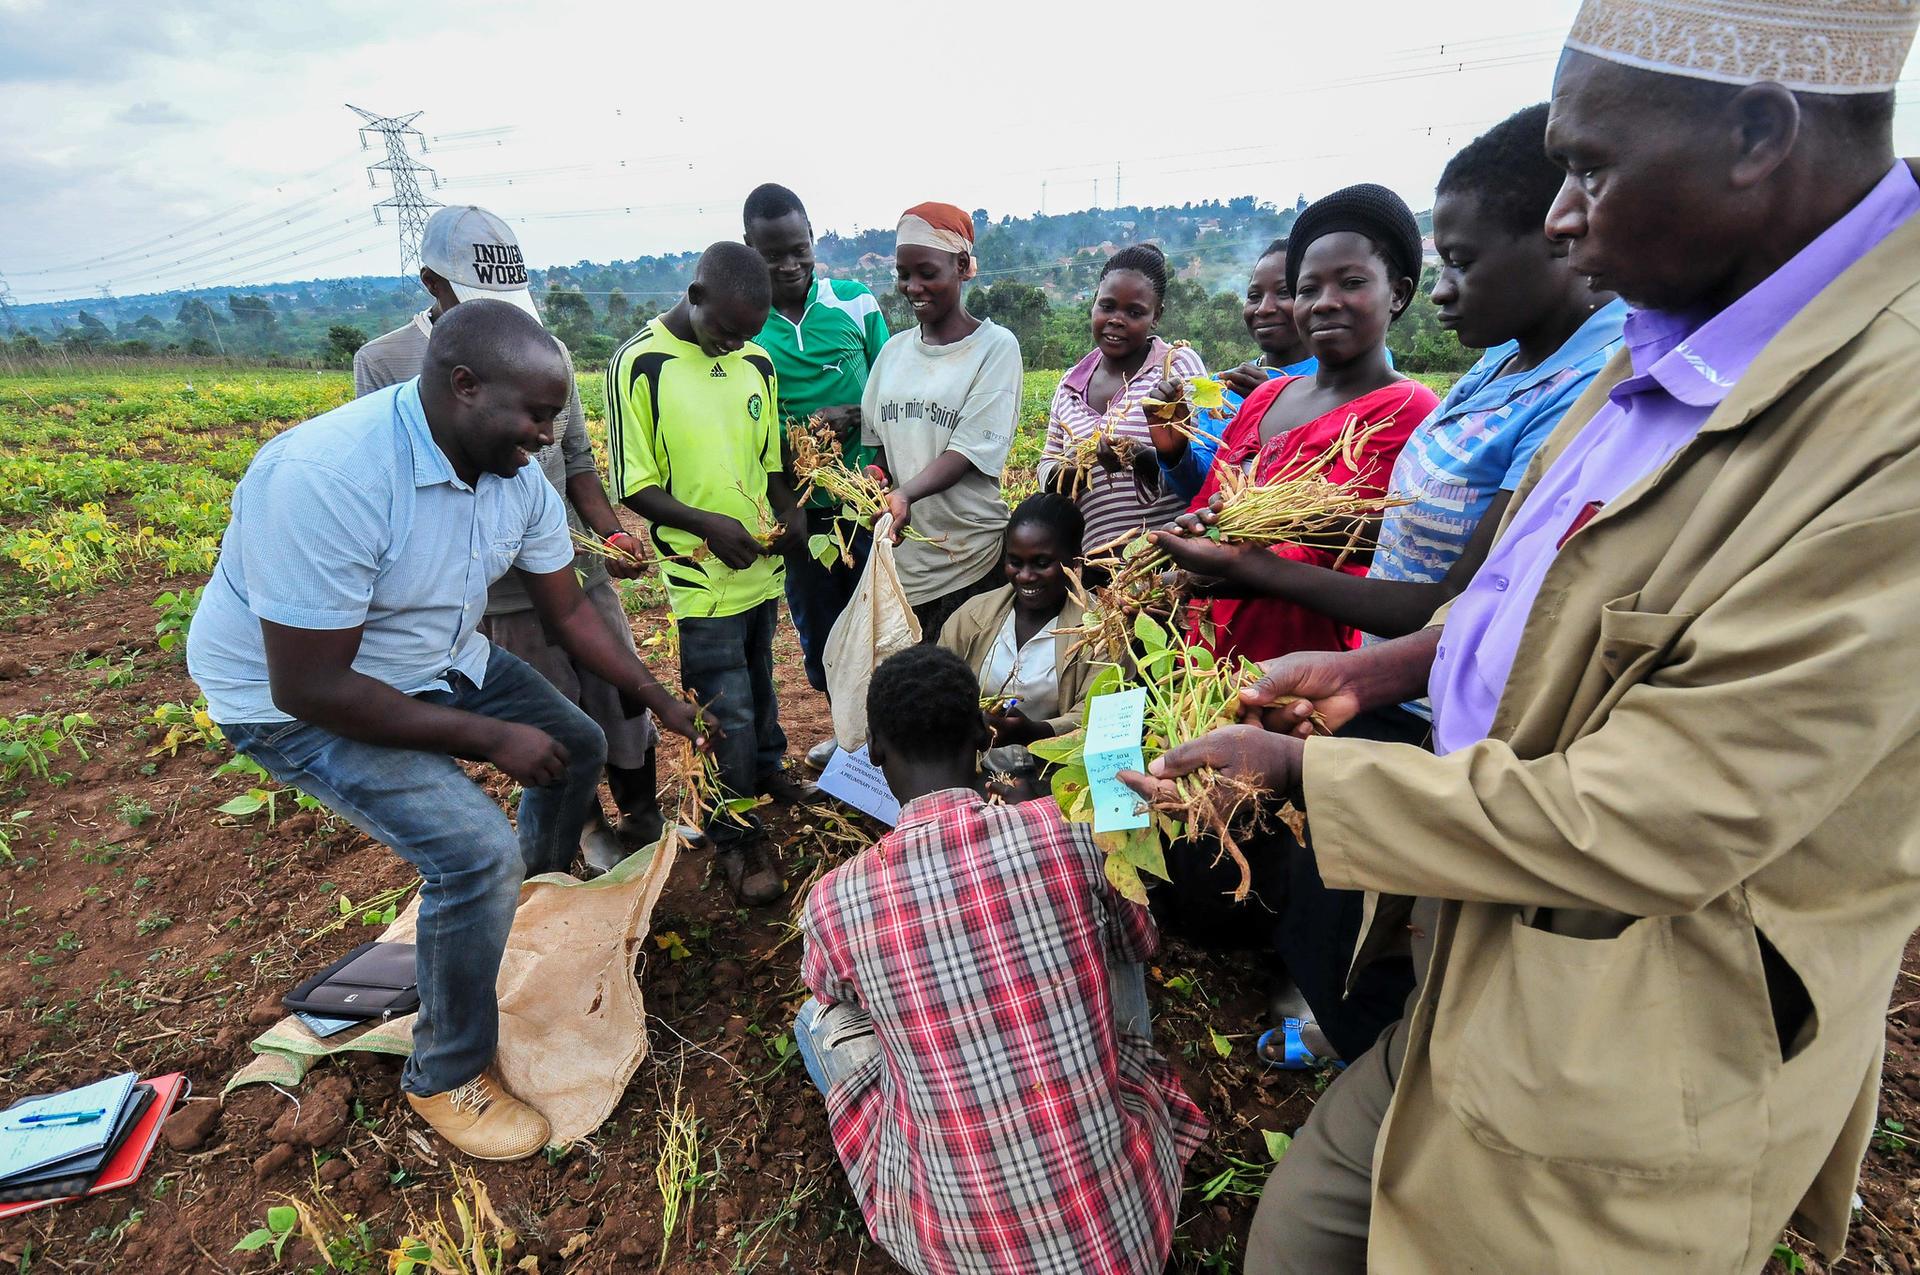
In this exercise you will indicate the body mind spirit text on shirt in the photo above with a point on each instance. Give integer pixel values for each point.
(915, 409)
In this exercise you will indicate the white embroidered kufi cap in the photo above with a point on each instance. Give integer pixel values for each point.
(1809, 46)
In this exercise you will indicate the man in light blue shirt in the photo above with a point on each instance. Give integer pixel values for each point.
(336, 645)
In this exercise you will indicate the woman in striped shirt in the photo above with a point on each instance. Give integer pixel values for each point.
(1121, 493)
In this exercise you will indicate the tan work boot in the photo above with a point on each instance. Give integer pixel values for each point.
(482, 1119)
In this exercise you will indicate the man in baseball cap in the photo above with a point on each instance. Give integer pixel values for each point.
(470, 252)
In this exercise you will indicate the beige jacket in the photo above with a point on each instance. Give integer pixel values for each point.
(1702, 790)
(970, 631)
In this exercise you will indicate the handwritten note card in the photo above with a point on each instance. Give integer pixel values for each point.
(1116, 724)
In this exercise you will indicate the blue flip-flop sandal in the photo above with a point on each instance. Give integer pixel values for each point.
(1296, 1055)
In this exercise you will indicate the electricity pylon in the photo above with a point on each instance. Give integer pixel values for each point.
(411, 207)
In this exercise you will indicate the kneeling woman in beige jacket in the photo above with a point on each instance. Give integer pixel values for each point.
(1012, 638)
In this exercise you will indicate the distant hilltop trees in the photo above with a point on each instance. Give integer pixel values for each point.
(1038, 276)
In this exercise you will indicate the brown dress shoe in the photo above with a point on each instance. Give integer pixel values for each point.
(482, 1119)
(750, 872)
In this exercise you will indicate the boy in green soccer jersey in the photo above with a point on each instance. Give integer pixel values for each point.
(693, 434)
(823, 335)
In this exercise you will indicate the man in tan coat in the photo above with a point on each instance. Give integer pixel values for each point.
(1674, 807)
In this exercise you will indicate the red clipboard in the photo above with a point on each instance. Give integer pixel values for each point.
(129, 1160)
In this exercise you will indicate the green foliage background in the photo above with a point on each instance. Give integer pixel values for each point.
(1038, 279)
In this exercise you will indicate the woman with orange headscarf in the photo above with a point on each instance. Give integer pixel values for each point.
(941, 404)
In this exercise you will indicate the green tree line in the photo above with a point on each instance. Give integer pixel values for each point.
(1039, 275)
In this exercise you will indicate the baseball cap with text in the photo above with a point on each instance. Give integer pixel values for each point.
(477, 255)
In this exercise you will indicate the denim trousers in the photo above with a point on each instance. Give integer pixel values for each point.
(834, 1040)
(816, 595)
(727, 663)
(470, 859)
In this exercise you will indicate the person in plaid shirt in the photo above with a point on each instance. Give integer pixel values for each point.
(979, 1017)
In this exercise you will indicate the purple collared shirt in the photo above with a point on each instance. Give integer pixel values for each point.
(1682, 370)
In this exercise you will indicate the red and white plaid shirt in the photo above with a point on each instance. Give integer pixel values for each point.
(1004, 1125)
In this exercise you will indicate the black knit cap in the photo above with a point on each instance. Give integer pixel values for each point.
(1367, 209)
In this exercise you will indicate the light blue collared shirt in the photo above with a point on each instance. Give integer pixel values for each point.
(1479, 442)
(356, 518)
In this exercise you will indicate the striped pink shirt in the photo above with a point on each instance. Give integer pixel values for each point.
(1114, 502)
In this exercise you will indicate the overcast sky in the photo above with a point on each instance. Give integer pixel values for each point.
(160, 144)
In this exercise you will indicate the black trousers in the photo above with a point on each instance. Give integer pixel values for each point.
(1291, 913)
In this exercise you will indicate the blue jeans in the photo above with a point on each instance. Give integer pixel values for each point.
(816, 595)
(834, 1040)
(470, 859)
(727, 662)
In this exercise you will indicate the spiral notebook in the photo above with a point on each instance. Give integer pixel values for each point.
(43, 1130)
(118, 1162)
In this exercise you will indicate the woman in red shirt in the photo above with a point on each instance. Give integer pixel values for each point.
(1353, 260)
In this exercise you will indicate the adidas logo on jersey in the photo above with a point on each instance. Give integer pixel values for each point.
(717, 371)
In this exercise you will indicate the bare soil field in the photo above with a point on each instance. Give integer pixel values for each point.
(146, 929)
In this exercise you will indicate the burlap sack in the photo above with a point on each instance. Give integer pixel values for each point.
(877, 622)
(572, 1025)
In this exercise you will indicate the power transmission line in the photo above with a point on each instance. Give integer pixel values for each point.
(410, 206)
(196, 230)
(6, 308)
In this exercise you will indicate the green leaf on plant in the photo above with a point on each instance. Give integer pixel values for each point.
(282, 1218)
(824, 548)
(1138, 846)
(1277, 1143)
(255, 1239)
(1144, 852)
(1149, 632)
(243, 806)
(1152, 661)
(1124, 879)
(1070, 790)
(1059, 749)
(1221, 1045)
(1105, 682)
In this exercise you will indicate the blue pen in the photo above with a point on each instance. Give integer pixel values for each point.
(61, 1117)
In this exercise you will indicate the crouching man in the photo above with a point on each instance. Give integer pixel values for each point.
(979, 1020)
(337, 647)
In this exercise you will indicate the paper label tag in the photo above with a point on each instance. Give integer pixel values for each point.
(861, 784)
(1116, 724)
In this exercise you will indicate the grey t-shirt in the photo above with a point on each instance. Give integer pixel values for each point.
(398, 356)
(923, 400)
